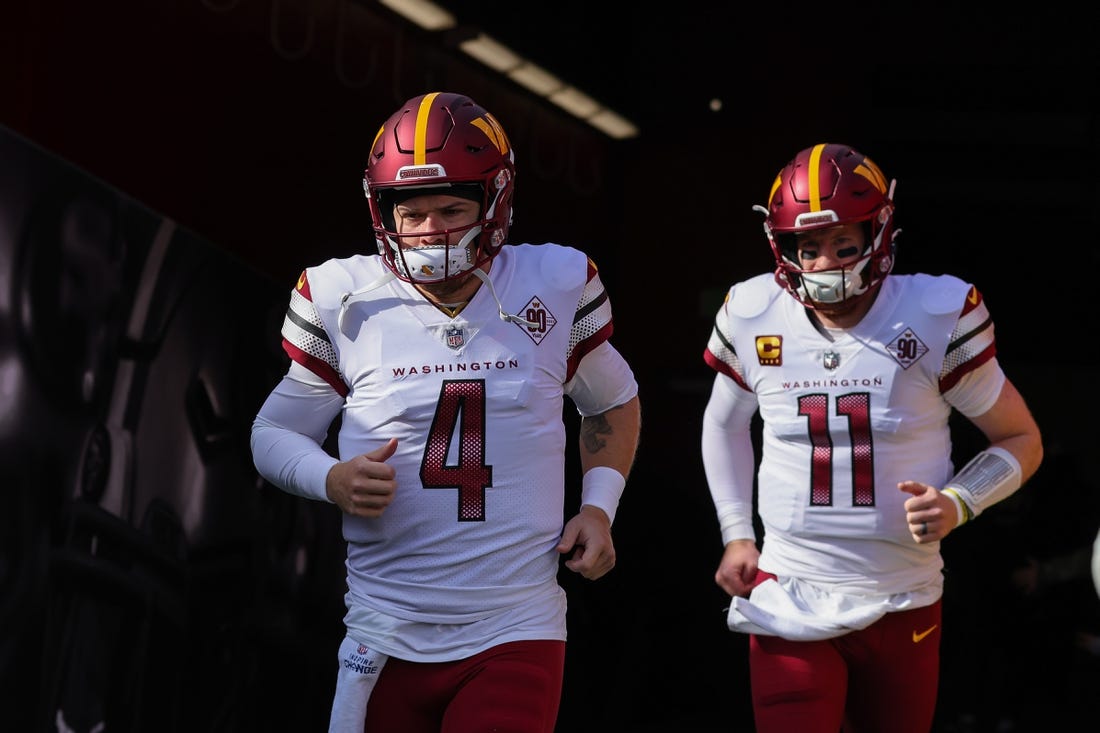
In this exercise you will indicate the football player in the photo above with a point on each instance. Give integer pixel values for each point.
(854, 373)
(447, 356)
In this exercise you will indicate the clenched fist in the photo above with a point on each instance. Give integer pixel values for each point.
(364, 485)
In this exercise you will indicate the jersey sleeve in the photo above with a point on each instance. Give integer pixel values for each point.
(289, 430)
(729, 459)
(971, 344)
(603, 380)
(306, 340)
(592, 324)
(720, 354)
(976, 392)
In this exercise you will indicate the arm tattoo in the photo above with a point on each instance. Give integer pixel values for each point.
(594, 431)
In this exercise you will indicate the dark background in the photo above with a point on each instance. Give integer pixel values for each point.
(168, 167)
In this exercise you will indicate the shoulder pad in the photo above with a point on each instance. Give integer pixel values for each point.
(942, 294)
(752, 297)
(560, 265)
(331, 279)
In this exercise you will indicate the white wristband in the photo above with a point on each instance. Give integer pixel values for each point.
(601, 487)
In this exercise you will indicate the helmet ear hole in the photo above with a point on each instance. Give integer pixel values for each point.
(385, 204)
(788, 247)
(868, 236)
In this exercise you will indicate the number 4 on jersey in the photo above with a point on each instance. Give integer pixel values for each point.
(459, 413)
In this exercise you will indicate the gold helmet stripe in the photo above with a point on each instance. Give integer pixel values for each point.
(814, 177)
(420, 154)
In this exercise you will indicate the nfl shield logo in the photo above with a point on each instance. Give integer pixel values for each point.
(831, 360)
(454, 337)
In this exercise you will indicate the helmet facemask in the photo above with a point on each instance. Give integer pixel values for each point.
(835, 288)
(458, 251)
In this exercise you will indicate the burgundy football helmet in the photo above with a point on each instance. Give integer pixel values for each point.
(441, 143)
(824, 186)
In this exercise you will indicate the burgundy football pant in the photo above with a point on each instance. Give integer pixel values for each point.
(511, 688)
(882, 678)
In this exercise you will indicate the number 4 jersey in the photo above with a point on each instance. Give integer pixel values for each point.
(475, 403)
(848, 416)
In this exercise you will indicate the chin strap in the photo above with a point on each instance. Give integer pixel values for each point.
(483, 277)
(346, 297)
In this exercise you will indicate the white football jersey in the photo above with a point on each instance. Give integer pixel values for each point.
(845, 420)
(476, 405)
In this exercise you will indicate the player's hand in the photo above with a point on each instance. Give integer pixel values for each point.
(930, 513)
(737, 570)
(365, 485)
(588, 537)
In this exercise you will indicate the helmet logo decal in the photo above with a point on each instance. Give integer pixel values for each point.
(492, 129)
(775, 187)
(769, 350)
(871, 172)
